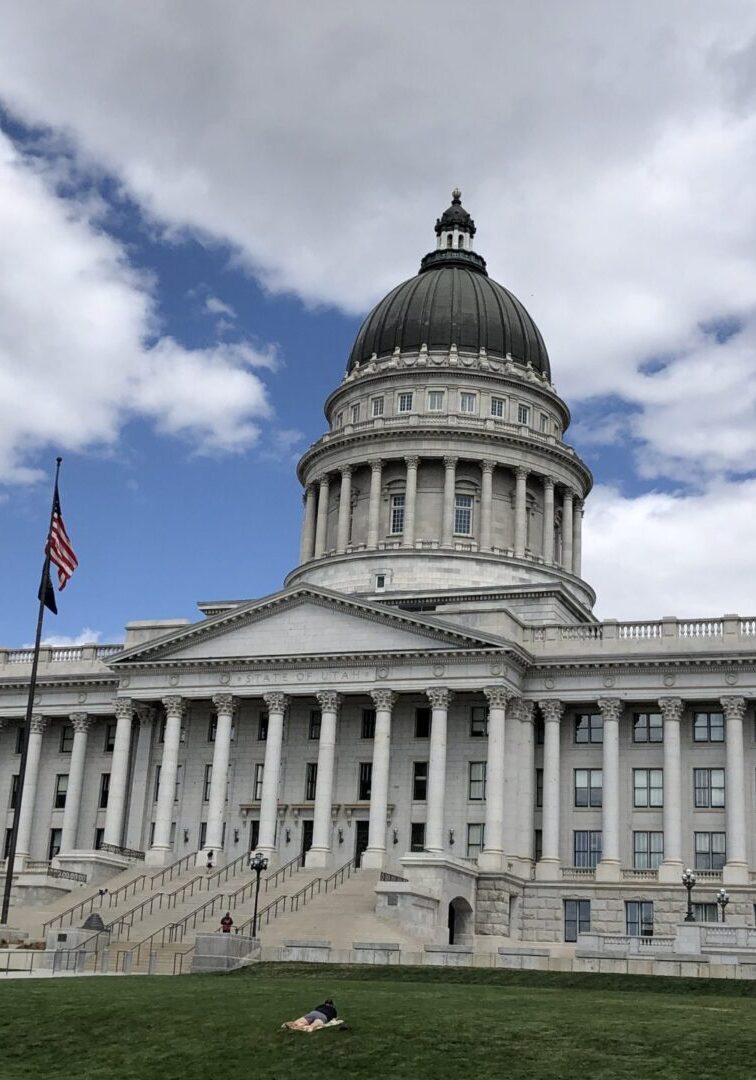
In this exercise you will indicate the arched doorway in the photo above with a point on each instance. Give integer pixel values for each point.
(460, 922)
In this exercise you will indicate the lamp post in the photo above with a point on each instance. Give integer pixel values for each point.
(723, 899)
(689, 880)
(258, 863)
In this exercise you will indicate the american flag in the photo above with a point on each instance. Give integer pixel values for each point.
(59, 546)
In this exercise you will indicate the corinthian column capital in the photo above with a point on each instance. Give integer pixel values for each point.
(123, 707)
(551, 710)
(497, 696)
(439, 697)
(383, 699)
(81, 722)
(610, 708)
(224, 703)
(734, 707)
(671, 708)
(276, 701)
(328, 700)
(174, 706)
(38, 724)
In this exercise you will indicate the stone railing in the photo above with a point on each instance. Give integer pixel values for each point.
(575, 873)
(80, 655)
(624, 944)
(639, 875)
(664, 635)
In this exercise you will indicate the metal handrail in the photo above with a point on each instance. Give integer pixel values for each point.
(83, 905)
(172, 898)
(341, 873)
(120, 921)
(160, 932)
(305, 894)
(127, 852)
(385, 876)
(225, 871)
(268, 913)
(180, 927)
(180, 957)
(138, 882)
(175, 868)
(287, 870)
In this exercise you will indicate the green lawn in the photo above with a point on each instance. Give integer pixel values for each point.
(411, 1023)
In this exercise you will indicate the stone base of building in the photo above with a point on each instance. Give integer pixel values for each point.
(373, 858)
(735, 874)
(97, 866)
(318, 859)
(159, 856)
(223, 952)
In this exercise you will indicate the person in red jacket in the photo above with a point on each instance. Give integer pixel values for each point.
(226, 923)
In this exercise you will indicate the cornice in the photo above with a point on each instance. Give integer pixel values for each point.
(73, 682)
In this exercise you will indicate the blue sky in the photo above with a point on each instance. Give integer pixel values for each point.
(185, 260)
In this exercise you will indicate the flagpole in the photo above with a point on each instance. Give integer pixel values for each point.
(29, 710)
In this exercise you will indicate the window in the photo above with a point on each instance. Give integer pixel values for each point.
(202, 833)
(463, 511)
(711, 850)
(588, 784)
(66, 739)
(708, 727)
(405, 402)
(497, 406)
(468, 403)
(56, 836)
(422, 723)
(7, 844)
(110, 734)
(152, 834)
(339, 423)
(435, 400)
(355, 413)
(639, 918)
(157, 784)
(14, 792)
(368, 723)
(539, 788)
(206, 783)
(311, 780)
(161, 735)
(709, 788)
(538, 844)
(262, 727)
(449, 240)
(479, 721)
(419, 781)
(315, 720)
(475, 840)
(212, 727)
(19, 741)
(365, 781)
(61, 787)
(706, 912)
(648, 787)
(587, 848)
(258, 782)
(380, 581)
(396, 525)
(523, 414)
(577, 918)
(544, 422)
(648, 850)
(377, 406)
(476, 787)
(648, 727)
(417, 836)
(99, 838)
(589, 728)
(177, 786)
(105, 790)
(540, 731)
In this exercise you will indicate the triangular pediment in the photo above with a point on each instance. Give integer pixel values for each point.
(306, 622)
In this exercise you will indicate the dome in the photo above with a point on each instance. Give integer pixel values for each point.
(451, 301)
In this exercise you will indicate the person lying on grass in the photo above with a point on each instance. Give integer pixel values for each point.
(316, 1018)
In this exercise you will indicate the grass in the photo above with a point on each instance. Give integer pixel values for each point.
(406, 1023)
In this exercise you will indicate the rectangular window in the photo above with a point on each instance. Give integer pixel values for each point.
(61, 787)
(417, 836)
(55, 839)
(709, 788)
(161, 735)
(110, 734)
(577, 918)
(202, 833)
(523, 414)
(468, 403)
(648, 787)
(435, 400)
(19, 741)
(419, 781)
(258, 781)
(475, 840)
(540, 731)
(639, 918)
(463, 514)
(177, 787)
(405, 403)
(365, 781)
(14, 792)
(339, 423)
(212, 727)
(538, 844)
(206, 783)
(708, 727)
(711, 850)
(66, 739)
(479, 721)
(368, 724)
(377, 406)
(544, 423)
(311, 780)
(587, 848)
(262, 727)
(706, 912)
(99, 838)
(497, 407)
(355, 413)
(589, 728)
(6, 845)
(396, 525)
(588, 783)
(648, 850)
(476, 787)
(315, 721)
(422, 722)
(539, 788)
(648, 727)
(104, 790)
(157, 785)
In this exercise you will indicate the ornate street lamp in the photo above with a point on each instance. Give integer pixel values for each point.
(689, 880)
(258, 863)
(723, 899)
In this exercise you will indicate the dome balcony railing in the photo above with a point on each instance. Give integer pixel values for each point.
(463, 421)
(668, 635)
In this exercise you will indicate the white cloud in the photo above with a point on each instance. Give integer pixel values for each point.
(88, 636)
(215, 306)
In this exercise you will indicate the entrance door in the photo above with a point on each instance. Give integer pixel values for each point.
(361, 841)
(254, 835)
(306, 836)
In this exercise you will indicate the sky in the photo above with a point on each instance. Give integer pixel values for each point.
(199, 203)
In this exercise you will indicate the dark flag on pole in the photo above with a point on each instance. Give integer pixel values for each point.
(61, 553)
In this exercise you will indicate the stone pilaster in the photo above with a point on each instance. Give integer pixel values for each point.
(548, 867)
(307, 547)
(670, 870)
(321, 526)
(374, 508)
(160, 851)
(609, 867)
(345, 509)
(321, 851)
(486, 503)
(450, 481)
(277, 705)
(28, 797)
(521, 521)
(216, 810)
(736, 868)
(493, 853)
(567, 524)
(119, 772)
(81, 724)
(439, 697)
(548, 519)
(375, 855)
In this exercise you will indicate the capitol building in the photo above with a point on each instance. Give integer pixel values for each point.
(429, 693)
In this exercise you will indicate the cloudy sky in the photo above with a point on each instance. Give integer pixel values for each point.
(198, 202)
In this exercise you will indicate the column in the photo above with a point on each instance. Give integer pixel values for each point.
(345, 509)
(609, 867)
(521, 509)
(435, 841)
(375, 854)
(450, 481)
(277, 705)
(567, 530)
(577, 538)
(547, 869)
(161, 847)
(307, 547)
(374, 505)
(216, 806)
(139, 807)
(492, 856)
(526, 785)
(322, 518)
(26, 812)
(410, 501)
(671, 868)
(119, 772)
(320, 852)
(486, 503)
(81, 724)
(548, 519)
(736, 868)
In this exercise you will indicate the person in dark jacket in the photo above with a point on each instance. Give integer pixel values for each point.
(316, 1018)
(226, 923)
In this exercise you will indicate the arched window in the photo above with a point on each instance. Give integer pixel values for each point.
(449, 240)
(461, 240)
